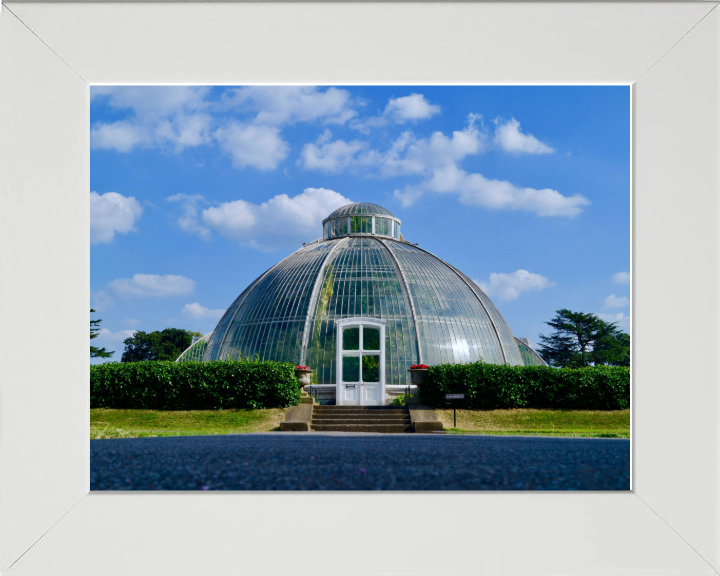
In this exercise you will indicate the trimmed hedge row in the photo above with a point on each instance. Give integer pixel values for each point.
(492, 386)
(193, 385)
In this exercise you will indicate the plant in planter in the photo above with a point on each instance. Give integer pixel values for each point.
(417, 373)
(304, 377)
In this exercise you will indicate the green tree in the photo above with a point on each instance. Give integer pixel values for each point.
(582, 339)
(614, 351)
(94, 333)
(165, 345)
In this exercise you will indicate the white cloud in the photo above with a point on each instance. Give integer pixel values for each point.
(101, 300)
(112, 212)
(183, 131)
(258, 146)
(510, 286)
(409, 155)
(152, 101)
(621, 278)
(198, 312)
(171, 117)
(613, 301)
(144, 285)
(282, 105)
(476, 190)
(121, 136)
(413, 107)
(112, 337)
(399, 111)
(231, 219)
(177, 117)
(330, 156)
(438, 158)
(278, 221)
(188, 222)
(619, 319)
(406, 155)
(509, 138)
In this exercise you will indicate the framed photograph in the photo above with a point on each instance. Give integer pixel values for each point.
(50, 56)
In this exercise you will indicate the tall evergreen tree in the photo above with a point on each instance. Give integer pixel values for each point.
(94, 333)
(582, 339)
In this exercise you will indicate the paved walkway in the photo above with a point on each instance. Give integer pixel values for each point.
(333, 461)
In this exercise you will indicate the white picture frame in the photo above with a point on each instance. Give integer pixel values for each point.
(49, 55)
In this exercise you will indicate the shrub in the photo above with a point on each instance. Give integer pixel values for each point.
(401, 400)
(492, 386)
(193, 385)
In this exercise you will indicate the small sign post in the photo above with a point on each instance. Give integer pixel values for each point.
(454, 398)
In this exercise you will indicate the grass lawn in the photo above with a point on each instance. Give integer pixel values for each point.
(108, 423)
(526, 421)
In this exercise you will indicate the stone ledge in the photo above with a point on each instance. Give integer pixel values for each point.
(427, 426)
(295, 426)
(422, 417)
(298, 418)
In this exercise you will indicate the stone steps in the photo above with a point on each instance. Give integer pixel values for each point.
(384, 419)
(383, 428)
(359, 412)
(352, 415)
(323, 407)
(362, 420)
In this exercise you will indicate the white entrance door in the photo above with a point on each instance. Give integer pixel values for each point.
(361, 362)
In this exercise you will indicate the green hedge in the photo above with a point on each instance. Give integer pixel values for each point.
(492, 386)
(193, 385)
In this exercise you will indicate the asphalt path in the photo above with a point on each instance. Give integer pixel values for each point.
(334, 461)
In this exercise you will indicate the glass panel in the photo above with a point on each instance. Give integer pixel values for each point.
(351, 338)
(371, 338)
(355, 224)
(351, 369)
(371, 368)
(360, 224)
(382, 226)
(342, 226)
(367, 225)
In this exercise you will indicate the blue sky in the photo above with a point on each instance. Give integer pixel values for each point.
(195, 191)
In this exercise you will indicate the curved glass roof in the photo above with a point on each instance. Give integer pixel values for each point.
(194, 352)
(529, 356)
(360, 208)
(434, 313)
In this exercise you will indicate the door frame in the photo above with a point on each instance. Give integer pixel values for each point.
(351, 323)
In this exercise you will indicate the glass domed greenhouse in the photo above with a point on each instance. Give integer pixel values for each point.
(391, 303)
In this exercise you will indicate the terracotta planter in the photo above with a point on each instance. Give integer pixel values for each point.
(417, 375)
(304, 377)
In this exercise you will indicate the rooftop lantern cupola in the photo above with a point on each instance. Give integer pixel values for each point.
(361, 219)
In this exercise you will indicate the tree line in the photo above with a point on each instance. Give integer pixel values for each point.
(166, 344)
